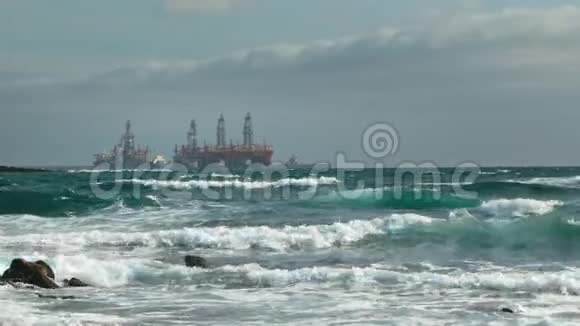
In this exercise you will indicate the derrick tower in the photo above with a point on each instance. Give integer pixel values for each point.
(128, 139)
(192, 135)
(221, 132)
(248, 131)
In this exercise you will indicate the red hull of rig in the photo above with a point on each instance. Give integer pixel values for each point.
(230, 155)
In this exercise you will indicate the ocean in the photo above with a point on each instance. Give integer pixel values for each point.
(296, 249)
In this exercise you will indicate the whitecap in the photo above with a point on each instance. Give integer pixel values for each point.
(520, 207)
(306, 237)
(243, 184)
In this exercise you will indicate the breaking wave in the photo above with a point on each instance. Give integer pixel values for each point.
(565, 282)
(562, 182)
(519, 207)
(243, 238)
(71, 194)
(118, 170)
(470, 235)
(122, 272)
(243, 184)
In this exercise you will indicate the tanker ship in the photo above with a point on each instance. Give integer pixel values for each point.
(233, 156)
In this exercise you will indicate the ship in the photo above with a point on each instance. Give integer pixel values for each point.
(126, 155)
(294, 164)
(233, 156)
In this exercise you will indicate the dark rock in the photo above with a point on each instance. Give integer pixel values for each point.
(49, 272)
(30, 273)
(75, 283)
(508, 310)
(195, 261)
(62, 297)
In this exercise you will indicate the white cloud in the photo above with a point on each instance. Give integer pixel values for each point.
(200, 6)
(511, 39)
(503, 45)
(470, 40)
(520, 24)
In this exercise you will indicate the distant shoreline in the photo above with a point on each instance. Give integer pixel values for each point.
(19, 169)
(36, 169)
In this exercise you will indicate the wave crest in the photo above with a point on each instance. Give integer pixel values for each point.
(116, 273)
(519, 207)
(266, 238)
(241, 184)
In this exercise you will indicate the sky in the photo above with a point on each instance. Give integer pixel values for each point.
(494, 82)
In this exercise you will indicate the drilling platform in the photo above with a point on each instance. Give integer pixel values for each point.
(126, 155)
(232, 156)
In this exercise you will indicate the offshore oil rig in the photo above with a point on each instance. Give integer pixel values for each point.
(127, 155)
(234, 156)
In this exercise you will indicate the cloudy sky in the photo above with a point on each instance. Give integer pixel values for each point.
(496, 82)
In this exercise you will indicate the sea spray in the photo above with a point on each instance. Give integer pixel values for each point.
(411, 253)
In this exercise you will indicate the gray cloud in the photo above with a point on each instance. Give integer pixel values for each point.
(509, 39)
(496, 88)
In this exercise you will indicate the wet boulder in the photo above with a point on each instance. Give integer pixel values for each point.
(34, 273)
(75, 283)
(508, 310)
(47, 269)
(195, 261)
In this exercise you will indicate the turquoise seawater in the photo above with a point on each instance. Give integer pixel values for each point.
(298, 249)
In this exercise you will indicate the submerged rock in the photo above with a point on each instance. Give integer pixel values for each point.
(508, 310)
(37, 273)
(195, 261)
(75, 283)
(61, 297)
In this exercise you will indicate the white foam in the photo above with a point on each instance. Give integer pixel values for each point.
(398, 221)
(519, 207)
(225, 176)
(537, 282)
(566, 282)
(460, 214)
(117, 170)
(97, 272)
(116, 272)
(256, 274)
(243, 184)
(18, 308)
(564, 182)
(154, 199)
(222, 237)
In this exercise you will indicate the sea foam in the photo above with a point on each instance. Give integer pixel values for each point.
(126, 272)
(519, 207)
(565, 282)
(243, 184)
(306, 237)
(563, 182)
